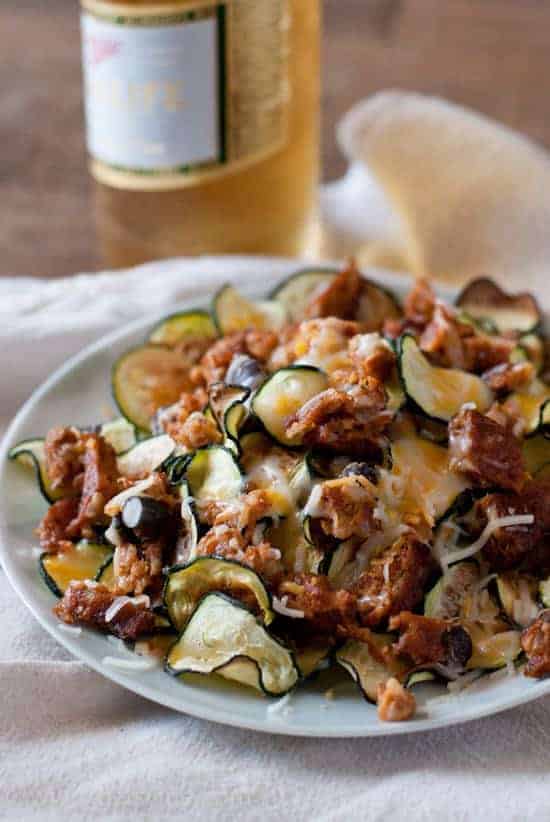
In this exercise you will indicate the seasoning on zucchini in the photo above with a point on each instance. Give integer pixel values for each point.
(438, 392)
(83, 561)
(225, 638)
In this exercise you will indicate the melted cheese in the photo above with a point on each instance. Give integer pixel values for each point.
(420, 481)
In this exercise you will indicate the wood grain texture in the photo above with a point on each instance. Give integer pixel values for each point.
(492, 55)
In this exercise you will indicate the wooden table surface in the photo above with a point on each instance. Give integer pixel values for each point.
(493, 55)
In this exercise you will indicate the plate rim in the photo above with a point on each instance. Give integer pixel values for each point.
(187, 703)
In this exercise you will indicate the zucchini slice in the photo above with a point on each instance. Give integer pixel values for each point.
(421, 469)
(518, 597)
(438, 392)
(312, 659)
(533, 347)
(147, 378)
(283, 394)
(376, 304)
(483, 299)
(446, 598)
(213, 473)
(233, 312)
(83, 561)
(187, 584)
(146, 456)
(185, 324)
(418, 677)
(225, 638)
(121, 434)
(533, 406)
(493, 644)
(31, 454)
(297, 291)
(365, 664)
(536, 453)
(230, 411)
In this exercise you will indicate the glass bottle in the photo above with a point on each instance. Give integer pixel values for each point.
(202, 125)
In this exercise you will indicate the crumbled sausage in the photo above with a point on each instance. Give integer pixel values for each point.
(213, 366)
(486, 452)
(394, 581)
(420, 303)
(442, 338)
(64, 449)
(515, 545)
(172, 419)
(86, 603)
(99, 485)
(52, 530)
(138, 568)
(229, 543)
(319, 602)
(535, 641)
(340, 298)
(197, 431)
(352, 421)
(508, 376)
(372, 356)
(484, 351)
(395, 703)
(427, 641)
(344, 507)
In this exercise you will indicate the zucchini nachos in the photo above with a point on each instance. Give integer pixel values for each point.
(327, 478)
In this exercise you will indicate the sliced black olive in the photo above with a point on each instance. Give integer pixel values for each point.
(145, 515)
(245, 371)
(361, 469)
(459, 646)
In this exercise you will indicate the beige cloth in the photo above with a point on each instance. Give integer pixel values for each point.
(451, 193)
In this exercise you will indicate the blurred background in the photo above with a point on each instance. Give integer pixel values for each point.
(492, 55)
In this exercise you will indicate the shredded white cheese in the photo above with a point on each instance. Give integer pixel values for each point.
(121, 601)
(486, 534)
(137, 665)
(279, 605)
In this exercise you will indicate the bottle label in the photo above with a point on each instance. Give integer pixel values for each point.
(175, 95)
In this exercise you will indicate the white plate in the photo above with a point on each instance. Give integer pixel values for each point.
(79, 393)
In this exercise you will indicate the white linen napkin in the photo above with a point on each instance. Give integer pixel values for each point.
(440, 190)
(76, 746)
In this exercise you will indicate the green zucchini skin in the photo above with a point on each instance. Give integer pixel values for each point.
(173, 328)
(124, 395)
(195, 484)
(32, 449)
(484, 292)
(213, 562)
(408, 347)
(104, 556)
(168, 667)
(262, 412)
